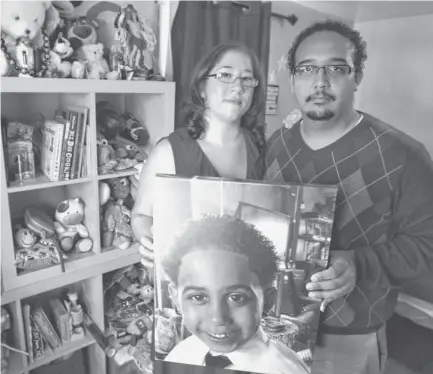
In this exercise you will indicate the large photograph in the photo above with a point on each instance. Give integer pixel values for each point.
(232, 260)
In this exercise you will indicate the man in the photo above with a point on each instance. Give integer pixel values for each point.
(383, 228)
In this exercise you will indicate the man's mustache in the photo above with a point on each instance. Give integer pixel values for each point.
(320, 96)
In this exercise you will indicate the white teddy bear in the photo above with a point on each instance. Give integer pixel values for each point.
(26, 19)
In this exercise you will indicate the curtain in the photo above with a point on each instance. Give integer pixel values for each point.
(198, 26)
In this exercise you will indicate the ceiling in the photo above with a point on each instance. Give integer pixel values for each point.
(363, 11)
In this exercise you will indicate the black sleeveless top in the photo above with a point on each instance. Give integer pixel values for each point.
(191, 161)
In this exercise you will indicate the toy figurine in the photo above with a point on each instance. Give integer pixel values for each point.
(77, 315)
(69, 227)
(137, 42)
(116, 228)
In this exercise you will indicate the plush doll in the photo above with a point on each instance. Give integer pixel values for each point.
(81, 31)
(135, 130)
(31, 22)
(96, 65)
(70, 230)
(4, 64)
(120, 188)
(106, 156)
(61, 50)
(110, 123)
(116, 228)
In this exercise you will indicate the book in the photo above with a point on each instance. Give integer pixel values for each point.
(60, 116)
(34, 339)
(63, 320)
(73, 118)
(79, 138)
(227, 245)
(52, 143)
(46, 328)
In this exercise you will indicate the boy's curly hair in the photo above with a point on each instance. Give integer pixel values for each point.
(228, 234)
(359, 55)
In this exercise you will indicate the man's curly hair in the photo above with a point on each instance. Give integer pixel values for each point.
(359, 55)
(225, 233)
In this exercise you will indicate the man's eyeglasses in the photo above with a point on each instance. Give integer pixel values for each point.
(230, 78)
(332, 71)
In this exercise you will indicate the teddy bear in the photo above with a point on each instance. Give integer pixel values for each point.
(70, 230)
(27, 21)
(96, 64)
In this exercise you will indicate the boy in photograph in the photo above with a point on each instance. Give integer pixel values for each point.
(221, 271)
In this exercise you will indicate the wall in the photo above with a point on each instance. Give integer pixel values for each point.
(398, 77)
(282, 36)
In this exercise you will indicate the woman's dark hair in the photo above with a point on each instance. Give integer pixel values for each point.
(359, 54)
(196, 105)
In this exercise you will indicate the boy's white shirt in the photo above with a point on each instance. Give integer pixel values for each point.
(260, 355)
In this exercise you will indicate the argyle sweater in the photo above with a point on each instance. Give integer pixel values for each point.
(384, 210)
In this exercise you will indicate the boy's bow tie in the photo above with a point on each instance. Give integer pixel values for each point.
(217, 361)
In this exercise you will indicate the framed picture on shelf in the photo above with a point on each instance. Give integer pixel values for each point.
(272, 92)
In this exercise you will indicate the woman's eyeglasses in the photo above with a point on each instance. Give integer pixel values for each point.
(332, 71)
(230, 78)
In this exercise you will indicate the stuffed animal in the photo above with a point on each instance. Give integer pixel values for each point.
(120, 188)
(26, 19)
(78, 70)
(62, 50)
(115, 226)
(81, 31)
(4, 64)
(135, 130)
(62, 47)
(96, 65)
(31, 21)
(110, 123)
(70, 230)
(106, 156)
(147, 293)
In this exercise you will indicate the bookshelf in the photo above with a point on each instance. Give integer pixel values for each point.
(152, 103)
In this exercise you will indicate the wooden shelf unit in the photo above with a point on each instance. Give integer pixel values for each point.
(152, 103)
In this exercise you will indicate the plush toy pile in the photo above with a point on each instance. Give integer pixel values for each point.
(41, 241)
(50, 39)
(128, 298)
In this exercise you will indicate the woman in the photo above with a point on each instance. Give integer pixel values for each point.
(221, 138)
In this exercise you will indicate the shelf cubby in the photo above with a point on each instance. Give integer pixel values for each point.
(90, 296)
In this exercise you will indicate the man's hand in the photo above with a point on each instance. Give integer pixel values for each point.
(146, 250)
(336, 281)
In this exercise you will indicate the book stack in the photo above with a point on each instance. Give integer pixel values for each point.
(64, 148)
(47, 328)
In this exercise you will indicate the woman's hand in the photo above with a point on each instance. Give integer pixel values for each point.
(146, 250)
